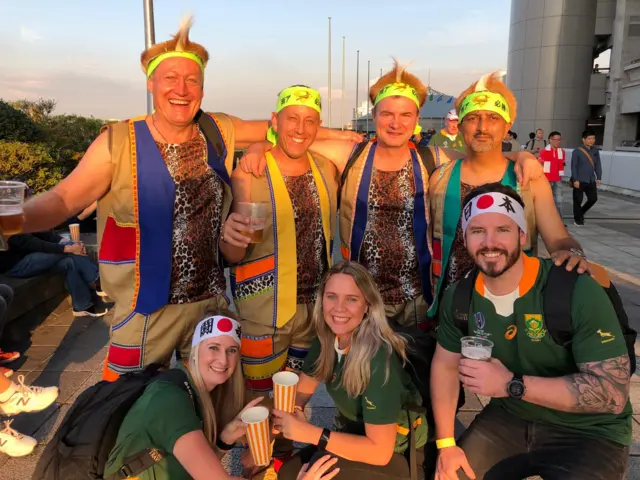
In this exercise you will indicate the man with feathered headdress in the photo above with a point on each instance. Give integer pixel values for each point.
(383, 197)
(487, 110)
(163, 181)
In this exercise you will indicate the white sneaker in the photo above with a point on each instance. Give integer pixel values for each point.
(14, 443)
(29, 399)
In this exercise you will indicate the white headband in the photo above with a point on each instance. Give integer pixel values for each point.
(494, 202)
(216, 326)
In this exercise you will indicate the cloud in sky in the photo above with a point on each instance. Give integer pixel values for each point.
(29, 34)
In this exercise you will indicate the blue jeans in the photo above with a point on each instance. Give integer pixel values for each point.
(556, 190)
(79, 272)
(6, 297)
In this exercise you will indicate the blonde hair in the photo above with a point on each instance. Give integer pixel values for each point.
(490, 83)
(179, 43)
(371, 335)
(225, 402)
(399, 74)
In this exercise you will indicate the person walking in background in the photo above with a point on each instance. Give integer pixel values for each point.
(552, 158)
(586, 174)
(536, 144)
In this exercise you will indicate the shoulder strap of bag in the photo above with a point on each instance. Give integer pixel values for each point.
(426, 155)
(355, 153)
(211, 132)
(462, 300)
(585, 151)
(556, 302)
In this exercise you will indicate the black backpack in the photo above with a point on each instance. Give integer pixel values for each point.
(80, 448)
(557, 295)
(423, 152)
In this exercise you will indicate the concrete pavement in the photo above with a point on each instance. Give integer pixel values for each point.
(69, 352)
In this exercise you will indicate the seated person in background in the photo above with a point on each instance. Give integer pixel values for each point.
(32, 254)
(6, 297)
(360, 360)
(559, 412)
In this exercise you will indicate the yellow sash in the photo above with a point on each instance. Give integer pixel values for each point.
(285, 237)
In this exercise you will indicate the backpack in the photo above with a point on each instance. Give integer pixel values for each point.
(80, 448)
(424, 152)
(556, 306)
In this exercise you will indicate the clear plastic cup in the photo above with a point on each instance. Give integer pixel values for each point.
(11, 212)
(476, 348)
(257, 213)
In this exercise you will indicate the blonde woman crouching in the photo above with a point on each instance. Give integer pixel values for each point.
(196, 433)
(360, 360)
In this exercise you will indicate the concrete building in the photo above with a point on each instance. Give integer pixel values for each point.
(552, 47)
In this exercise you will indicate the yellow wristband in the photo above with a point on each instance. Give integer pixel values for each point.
(446, 442)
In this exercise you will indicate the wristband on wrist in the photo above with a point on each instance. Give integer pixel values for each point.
(223, 446)
(324, 439)
(445, 442)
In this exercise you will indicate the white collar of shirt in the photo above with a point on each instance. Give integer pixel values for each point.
(503, 303)
(338, 351)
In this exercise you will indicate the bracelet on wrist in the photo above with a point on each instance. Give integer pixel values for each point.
(225, 447)
(445, 443)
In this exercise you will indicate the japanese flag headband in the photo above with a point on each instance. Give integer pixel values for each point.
(494, 202)
(216, 326)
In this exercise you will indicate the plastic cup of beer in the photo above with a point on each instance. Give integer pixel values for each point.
(257, 213)
(476, 348)
(11, 215)
(74, 231)
(285, 385)
(257, 420)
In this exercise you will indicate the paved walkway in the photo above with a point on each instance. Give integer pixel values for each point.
(69, 352)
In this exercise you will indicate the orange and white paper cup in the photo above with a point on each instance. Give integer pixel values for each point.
(74, 230)
(257, 420)
(285, 386)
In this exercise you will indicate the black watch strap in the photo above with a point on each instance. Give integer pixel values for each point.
(223, 446)
(324, 439)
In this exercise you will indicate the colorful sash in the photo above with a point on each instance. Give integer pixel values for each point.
(283, 262)
(361, 212)
(451, 217)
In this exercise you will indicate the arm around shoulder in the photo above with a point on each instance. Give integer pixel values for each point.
(548, 222)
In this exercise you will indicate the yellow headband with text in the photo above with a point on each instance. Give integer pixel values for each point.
(398, 90)
(153, 64)
(297, 95)
(489, 101)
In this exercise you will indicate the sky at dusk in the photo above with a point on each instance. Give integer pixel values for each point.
(85, 54)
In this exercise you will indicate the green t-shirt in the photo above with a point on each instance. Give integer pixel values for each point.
(441, 140)
(382, 403)
(524, 346)
(162, 415)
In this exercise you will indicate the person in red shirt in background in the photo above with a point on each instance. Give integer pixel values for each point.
(552, 158)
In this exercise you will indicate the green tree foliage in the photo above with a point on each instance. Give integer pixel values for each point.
(29, 162)
(16, 126)
(39, 147)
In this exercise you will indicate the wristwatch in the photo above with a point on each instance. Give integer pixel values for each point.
(516, 388)
(580, 253)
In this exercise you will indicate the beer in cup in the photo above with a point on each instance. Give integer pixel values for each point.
(74, 231)
(257, 213)
(11, 215)
(476, 348)
(285, 385)
(257, 420)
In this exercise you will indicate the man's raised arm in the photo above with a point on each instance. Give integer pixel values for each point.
(88, 182)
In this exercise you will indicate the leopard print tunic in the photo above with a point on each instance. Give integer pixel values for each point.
(459, 261)
(310, 243)
(388, 248)
(197, 217)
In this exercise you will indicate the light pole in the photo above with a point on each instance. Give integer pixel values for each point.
(368, 87)
(357, 86)
(342, 90)
(149, 40)
(329, 58)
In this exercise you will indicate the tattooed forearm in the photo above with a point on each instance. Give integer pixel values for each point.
(601, 387)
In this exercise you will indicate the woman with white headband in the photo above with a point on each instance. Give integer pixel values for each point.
(195, 434)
